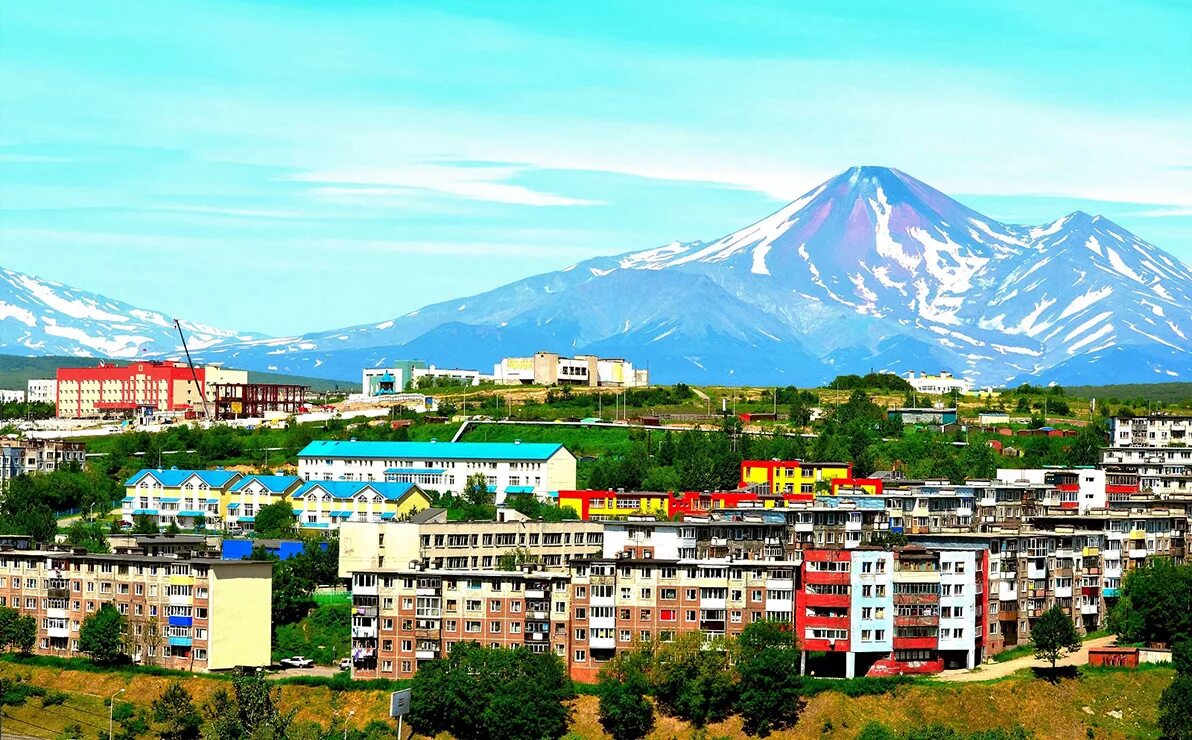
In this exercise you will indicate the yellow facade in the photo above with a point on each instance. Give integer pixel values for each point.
(240, 614)
(326, 504)
(791, 476)
(613, 505)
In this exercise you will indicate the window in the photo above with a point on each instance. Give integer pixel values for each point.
(581, 656)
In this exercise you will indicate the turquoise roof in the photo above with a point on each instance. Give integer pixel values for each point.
(519, 489)
(346, 489)
(272, 483)
(192, 512)
(245, 518)
(234, 505)
(174, 477)
(433, 450)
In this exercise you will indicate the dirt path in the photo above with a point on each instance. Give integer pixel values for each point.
(991, 671)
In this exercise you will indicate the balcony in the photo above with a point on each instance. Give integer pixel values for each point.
(535, 593)
(365, 611)
(913, 599)
(1137, 553)
(1093, 608)
(602, 643)
(1007, 613)
(360, 632)
(426, 654)
(1090, 552)
(917, 621)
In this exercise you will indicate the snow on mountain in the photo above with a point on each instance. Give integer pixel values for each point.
(42, 317)
(873, 269)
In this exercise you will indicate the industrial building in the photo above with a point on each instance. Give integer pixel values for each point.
(549, 368)
(258, 400)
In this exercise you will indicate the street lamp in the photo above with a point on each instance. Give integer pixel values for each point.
(111, 710)
(350, 715)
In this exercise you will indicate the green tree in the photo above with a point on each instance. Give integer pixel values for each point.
(24, 633)
(8, 617)
(89, 535)
(661, 479)
(1175, 708)
(1053, 635)
(144, 524)
(690, 681)
(769, 692)
(293, 585)
(258, 707)
(102, 635)
(275, 520)
(1085, 448)
(1156, 604)
(486, 693)
(476, 491)
(625, 712)
(175, 713)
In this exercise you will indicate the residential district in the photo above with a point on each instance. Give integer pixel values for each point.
(878, 575)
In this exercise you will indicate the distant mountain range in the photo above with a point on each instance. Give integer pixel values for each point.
(872, 270)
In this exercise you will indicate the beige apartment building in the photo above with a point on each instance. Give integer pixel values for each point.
(194, 614)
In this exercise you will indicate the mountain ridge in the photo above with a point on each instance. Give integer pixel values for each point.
(871, 269)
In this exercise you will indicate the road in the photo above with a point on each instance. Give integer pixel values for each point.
(991, 671)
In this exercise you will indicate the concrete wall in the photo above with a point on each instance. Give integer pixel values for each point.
(240, 612)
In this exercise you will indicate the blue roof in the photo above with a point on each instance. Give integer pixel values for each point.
(191, 512)
(272, 483)
(147, 512)
(315, 525)
(388, 515)
(234, 505)
(341, 513)
(245, 518)
(169, 499)
(415, 471)
(128, 499)
(173, 477)
(433, 450)
(345, 489)
(519, 489)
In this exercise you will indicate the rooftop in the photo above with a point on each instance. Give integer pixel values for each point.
(432, 450)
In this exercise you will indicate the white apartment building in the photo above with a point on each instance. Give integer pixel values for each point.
(1156, 430)
(549, 368)
(42, 390)
(11, 396)
(509, 467)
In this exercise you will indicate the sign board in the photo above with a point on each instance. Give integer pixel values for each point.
(399, 703)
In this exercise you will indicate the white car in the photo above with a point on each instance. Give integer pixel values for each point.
(345, 664)
(296, 661)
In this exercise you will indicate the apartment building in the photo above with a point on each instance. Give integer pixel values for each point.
(435, 543)
(402, 617)
(28, 456)
(181, 497)
(42, 390)
(885, 612)
(601, 505)
(249, 494)
(327, 505)
(1155, 430)
(1165, 471)
(792, 476)
(509, 467)
(194, 614)
(141, 388)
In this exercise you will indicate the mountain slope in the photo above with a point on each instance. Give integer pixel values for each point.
(42, 317)
(872, 270)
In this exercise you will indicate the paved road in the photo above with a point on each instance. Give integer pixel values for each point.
(319, 670)
(991, 671)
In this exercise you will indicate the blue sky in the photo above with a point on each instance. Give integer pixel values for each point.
(284, 166)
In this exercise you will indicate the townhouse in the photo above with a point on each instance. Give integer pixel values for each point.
(326, 505)
(182, 497)
(250, 494)
(508, 467)
(182, 612)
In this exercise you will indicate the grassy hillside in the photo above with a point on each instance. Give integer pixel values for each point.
(15, 372)
(1176, 393)
(1087, 706)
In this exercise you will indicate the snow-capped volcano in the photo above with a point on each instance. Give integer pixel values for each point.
(872, 270)
(42, 317)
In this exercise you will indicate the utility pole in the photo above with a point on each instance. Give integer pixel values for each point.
(111, 711)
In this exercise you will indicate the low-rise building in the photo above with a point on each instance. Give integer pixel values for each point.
(792, 476)
(140, 389)
(933, 416)
(941, 384)
(549, 368)
(325, 505)
(181, 497)
(249, 494)
(509, 467)
(194, 614)
(11, 395)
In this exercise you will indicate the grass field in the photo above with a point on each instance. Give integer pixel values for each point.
(1067, 709)
(582, 441)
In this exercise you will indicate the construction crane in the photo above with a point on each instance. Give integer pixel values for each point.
(194, 373)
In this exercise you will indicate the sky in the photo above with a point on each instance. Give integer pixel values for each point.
(287, 167)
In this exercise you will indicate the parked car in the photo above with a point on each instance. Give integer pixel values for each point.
(345, 664)
(296, 661)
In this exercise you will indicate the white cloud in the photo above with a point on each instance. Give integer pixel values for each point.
(484, 183)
